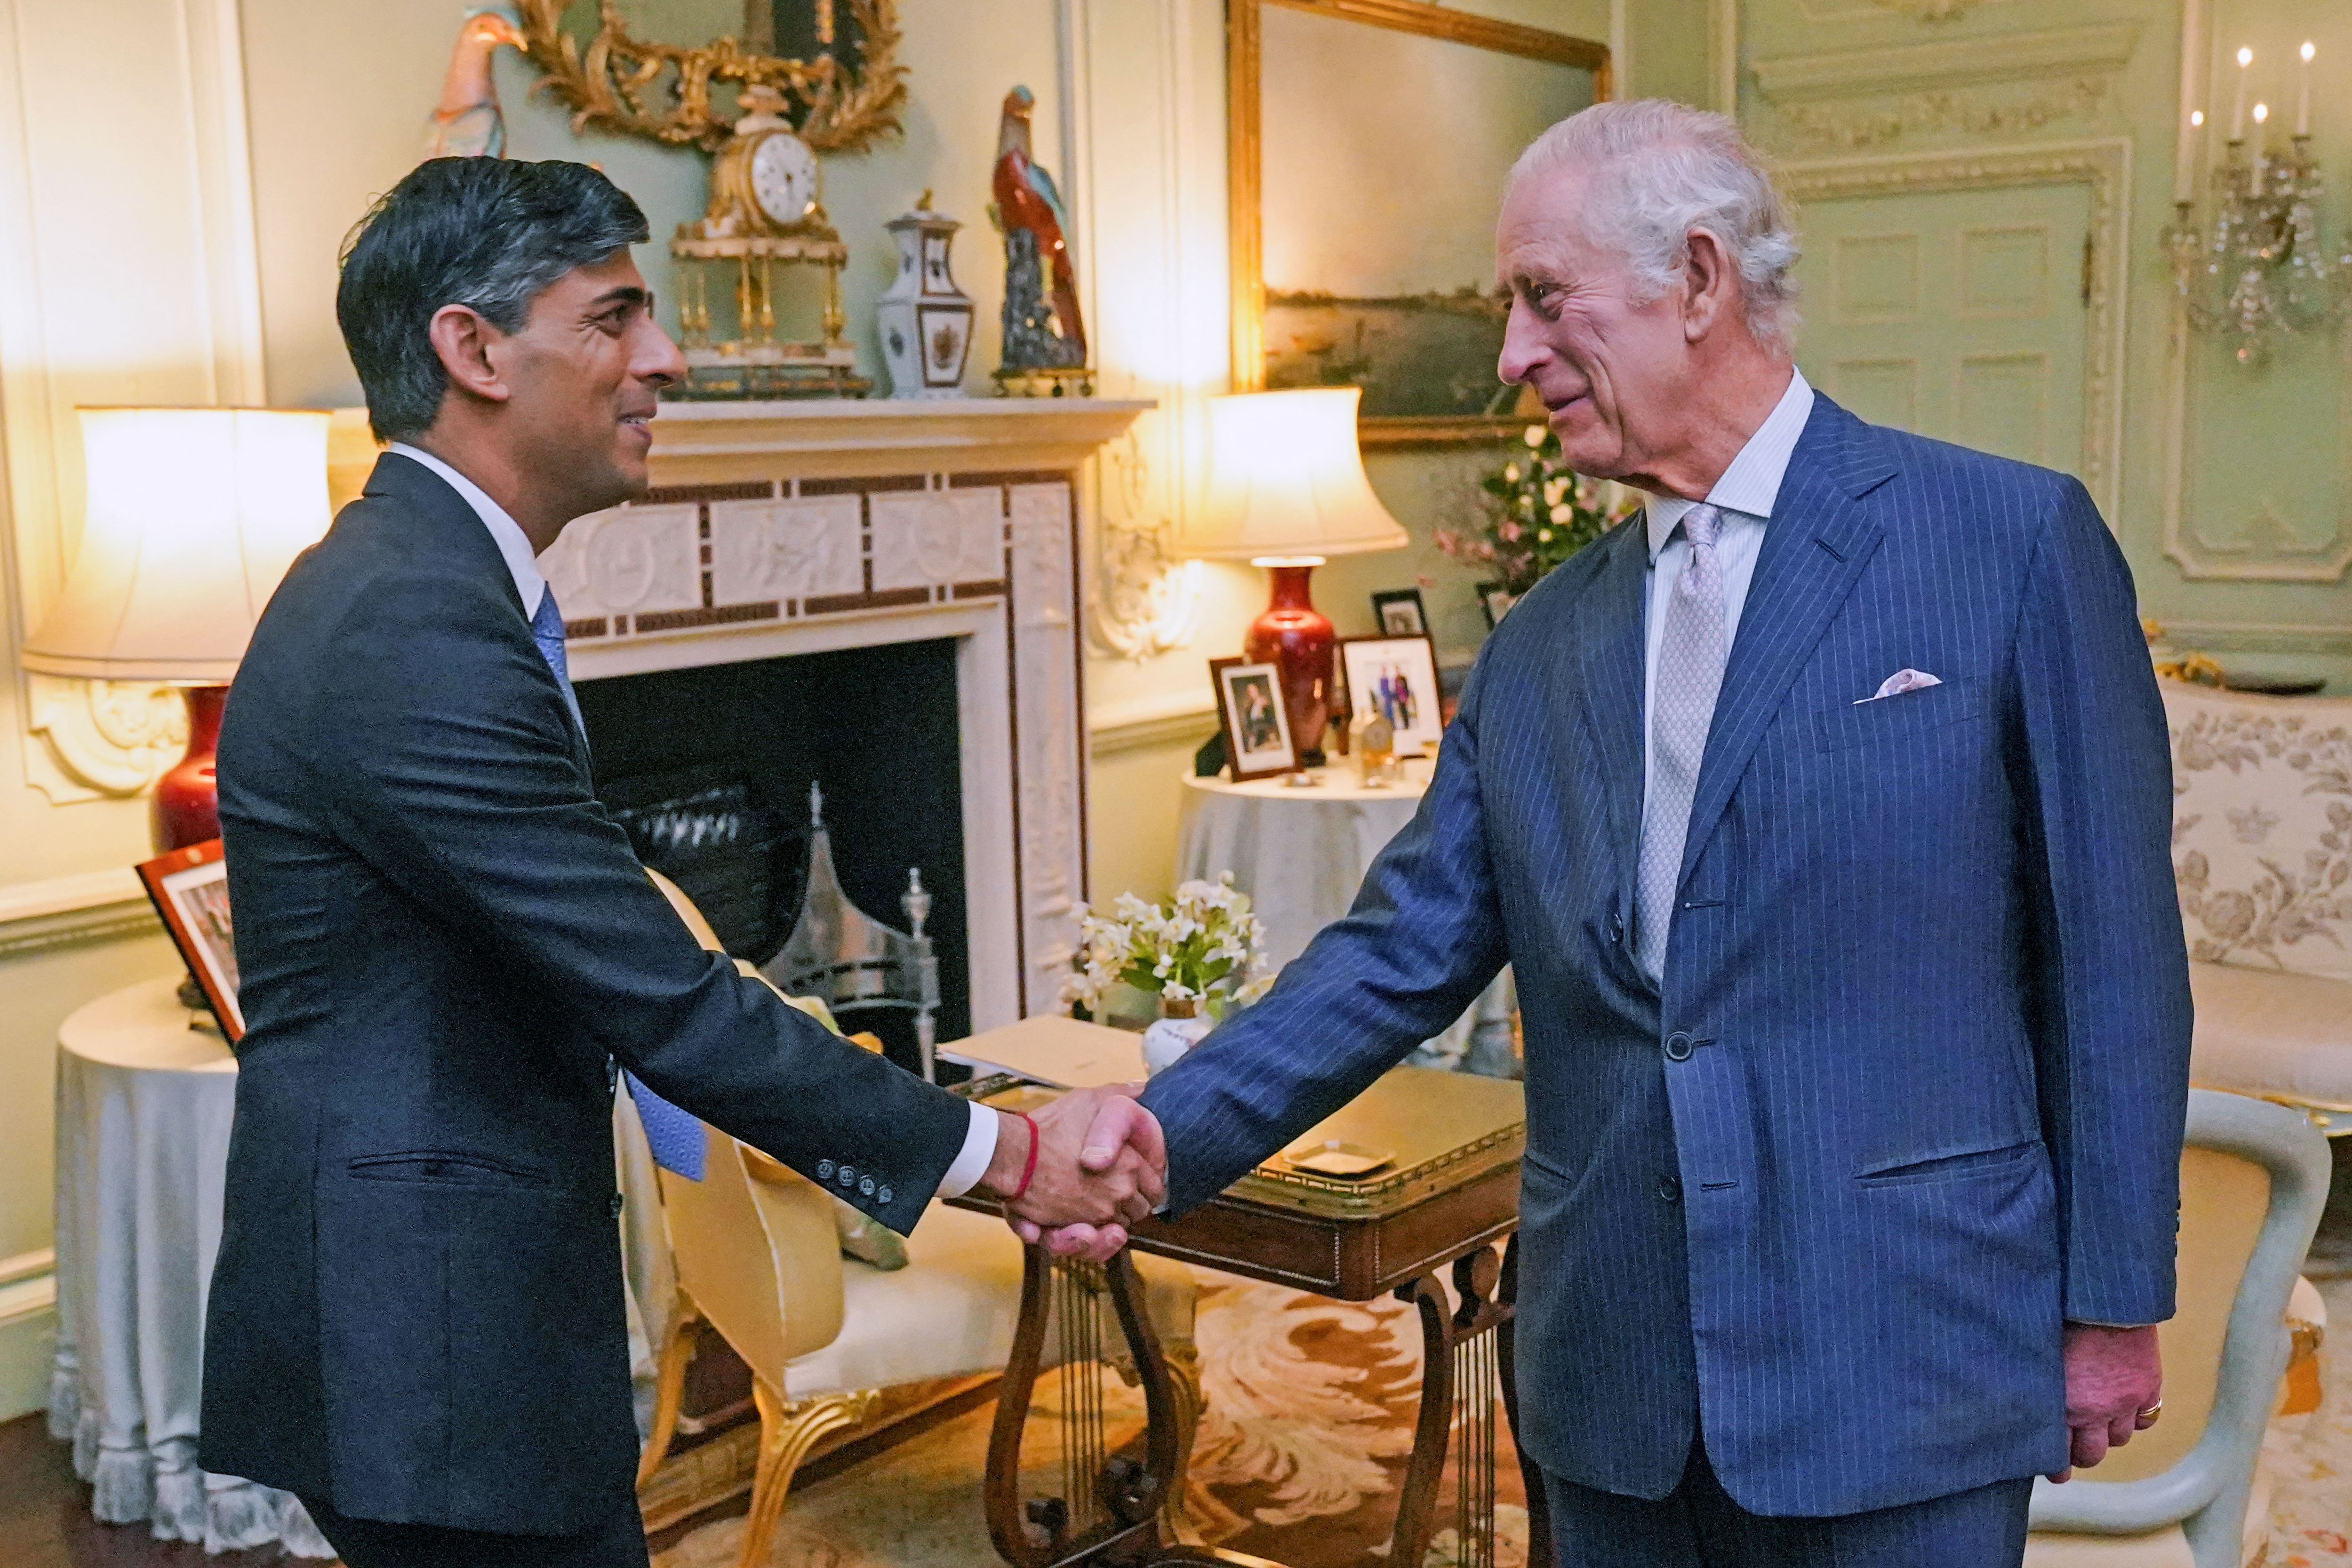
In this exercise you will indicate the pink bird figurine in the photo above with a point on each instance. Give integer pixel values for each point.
(467, 123)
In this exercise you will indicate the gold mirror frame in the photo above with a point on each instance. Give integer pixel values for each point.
(1245, 175)
(615, 84)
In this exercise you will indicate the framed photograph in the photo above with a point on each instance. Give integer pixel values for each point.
(1396, 678)
(1360, 234)
(190, 891)
(1258, 731)
(1399, 613)
(1495, 600)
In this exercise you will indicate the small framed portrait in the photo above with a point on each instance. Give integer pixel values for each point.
(1495, 599)
(190, 891)
(1397, 678)
(1257, 730)
(1400, 613)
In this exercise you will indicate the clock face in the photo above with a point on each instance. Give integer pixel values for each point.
(783, 177)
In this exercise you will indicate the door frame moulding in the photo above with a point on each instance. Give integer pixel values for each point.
(2105, 166)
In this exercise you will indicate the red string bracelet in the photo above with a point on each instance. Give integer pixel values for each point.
(1029, 1170)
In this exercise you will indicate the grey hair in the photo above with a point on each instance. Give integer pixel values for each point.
(1662, 169)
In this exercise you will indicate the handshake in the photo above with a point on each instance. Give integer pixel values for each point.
(1077, 1173)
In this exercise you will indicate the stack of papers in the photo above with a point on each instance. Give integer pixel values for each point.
(1050, 1049)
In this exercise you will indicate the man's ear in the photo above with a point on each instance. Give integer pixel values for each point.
(468, 343)
(1710, 283)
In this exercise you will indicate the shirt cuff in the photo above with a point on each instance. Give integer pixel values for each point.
(979, 1149)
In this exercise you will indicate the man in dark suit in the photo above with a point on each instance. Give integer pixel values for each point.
(1824, 814)
(416, 1321)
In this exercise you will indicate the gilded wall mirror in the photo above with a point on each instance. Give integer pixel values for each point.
(673, 71)
(1369, 142)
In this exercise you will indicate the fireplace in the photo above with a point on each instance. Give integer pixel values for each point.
(881, 598)
(875, 729)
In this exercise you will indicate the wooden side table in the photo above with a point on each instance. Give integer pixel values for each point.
(1447, 1193)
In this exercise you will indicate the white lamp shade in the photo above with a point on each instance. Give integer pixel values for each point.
(1285, 479)
(194, 515)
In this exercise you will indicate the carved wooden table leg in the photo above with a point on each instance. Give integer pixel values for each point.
(1110, 1515)
(1460, 1371)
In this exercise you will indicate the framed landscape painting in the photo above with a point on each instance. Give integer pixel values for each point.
(1369, 140)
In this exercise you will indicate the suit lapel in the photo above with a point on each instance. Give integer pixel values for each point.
(418, 487)
(1816, 545)
(1613, 697)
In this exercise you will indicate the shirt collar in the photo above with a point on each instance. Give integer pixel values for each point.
(1751, 485)
(512, 542)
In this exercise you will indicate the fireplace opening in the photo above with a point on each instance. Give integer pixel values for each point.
(710, 769)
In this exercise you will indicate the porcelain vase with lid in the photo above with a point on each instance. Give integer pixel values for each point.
(924, 319)
(1177, 1030)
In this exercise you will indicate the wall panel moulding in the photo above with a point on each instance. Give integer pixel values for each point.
(2003, 83)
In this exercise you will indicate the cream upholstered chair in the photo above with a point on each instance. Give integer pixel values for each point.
(758, 1256)
(2187, 1492)
(2262, 852)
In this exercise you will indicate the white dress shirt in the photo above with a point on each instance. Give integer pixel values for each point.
(514, 545)
(1746, 495)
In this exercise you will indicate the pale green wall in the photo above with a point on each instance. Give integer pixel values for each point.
(2279, 433)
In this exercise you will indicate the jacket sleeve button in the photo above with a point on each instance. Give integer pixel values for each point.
(824, 1170)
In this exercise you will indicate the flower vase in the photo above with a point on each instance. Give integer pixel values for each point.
(1177, 1030)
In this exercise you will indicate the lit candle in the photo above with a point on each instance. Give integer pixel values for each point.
(2262, 115)
(2302, 96)
(2184, 182)
(2238, 109)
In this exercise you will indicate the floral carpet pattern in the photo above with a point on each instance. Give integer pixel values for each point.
(1305, 1439)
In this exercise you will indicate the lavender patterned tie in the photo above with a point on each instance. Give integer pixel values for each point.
(1691, 652)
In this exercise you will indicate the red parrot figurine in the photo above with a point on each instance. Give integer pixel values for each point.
(1027, 204)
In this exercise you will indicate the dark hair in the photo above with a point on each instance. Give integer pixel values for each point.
(480, 232)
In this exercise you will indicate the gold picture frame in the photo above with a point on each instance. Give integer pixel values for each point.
(662, 91)
(1246, 67)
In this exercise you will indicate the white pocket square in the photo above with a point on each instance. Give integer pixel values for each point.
(1902, 680)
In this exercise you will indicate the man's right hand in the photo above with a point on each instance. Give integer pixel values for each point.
(1100, 1166)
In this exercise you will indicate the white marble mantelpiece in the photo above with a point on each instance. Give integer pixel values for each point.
(779, 529)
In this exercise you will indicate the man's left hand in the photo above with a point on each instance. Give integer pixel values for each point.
(2114, 1385)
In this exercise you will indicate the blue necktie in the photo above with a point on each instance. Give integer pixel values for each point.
(674, 1136)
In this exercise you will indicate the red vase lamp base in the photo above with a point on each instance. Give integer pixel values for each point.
(1297, 639)
(187, 809)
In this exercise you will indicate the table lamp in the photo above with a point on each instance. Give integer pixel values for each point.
(1287, 491)
(194, 515)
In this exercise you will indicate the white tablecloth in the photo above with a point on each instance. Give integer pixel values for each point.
(1301, 854)
(145, 1103)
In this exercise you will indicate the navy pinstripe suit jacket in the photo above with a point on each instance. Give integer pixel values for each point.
(1926, 958)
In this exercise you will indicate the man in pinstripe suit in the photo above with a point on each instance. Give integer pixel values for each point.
(1823, 813)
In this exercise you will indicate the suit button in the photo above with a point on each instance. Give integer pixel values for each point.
(1678, 1046)
(1616, 928)
(846, 1177)
(824, 1170)
(616, 1206)
(866, 1185)
(1670, 1189)
(883, 1196)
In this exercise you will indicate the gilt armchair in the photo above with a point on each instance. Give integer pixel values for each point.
(755, 1251)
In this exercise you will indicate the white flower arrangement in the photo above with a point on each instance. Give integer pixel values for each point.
(1203, 946)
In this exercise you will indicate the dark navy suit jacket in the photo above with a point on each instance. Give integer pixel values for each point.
(1912, 1092)
(416, 1314)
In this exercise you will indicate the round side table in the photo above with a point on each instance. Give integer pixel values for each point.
(1301, 853)
(145, 1095)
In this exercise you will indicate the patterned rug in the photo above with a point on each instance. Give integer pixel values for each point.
(1301, 1449)
(1305, 1437)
